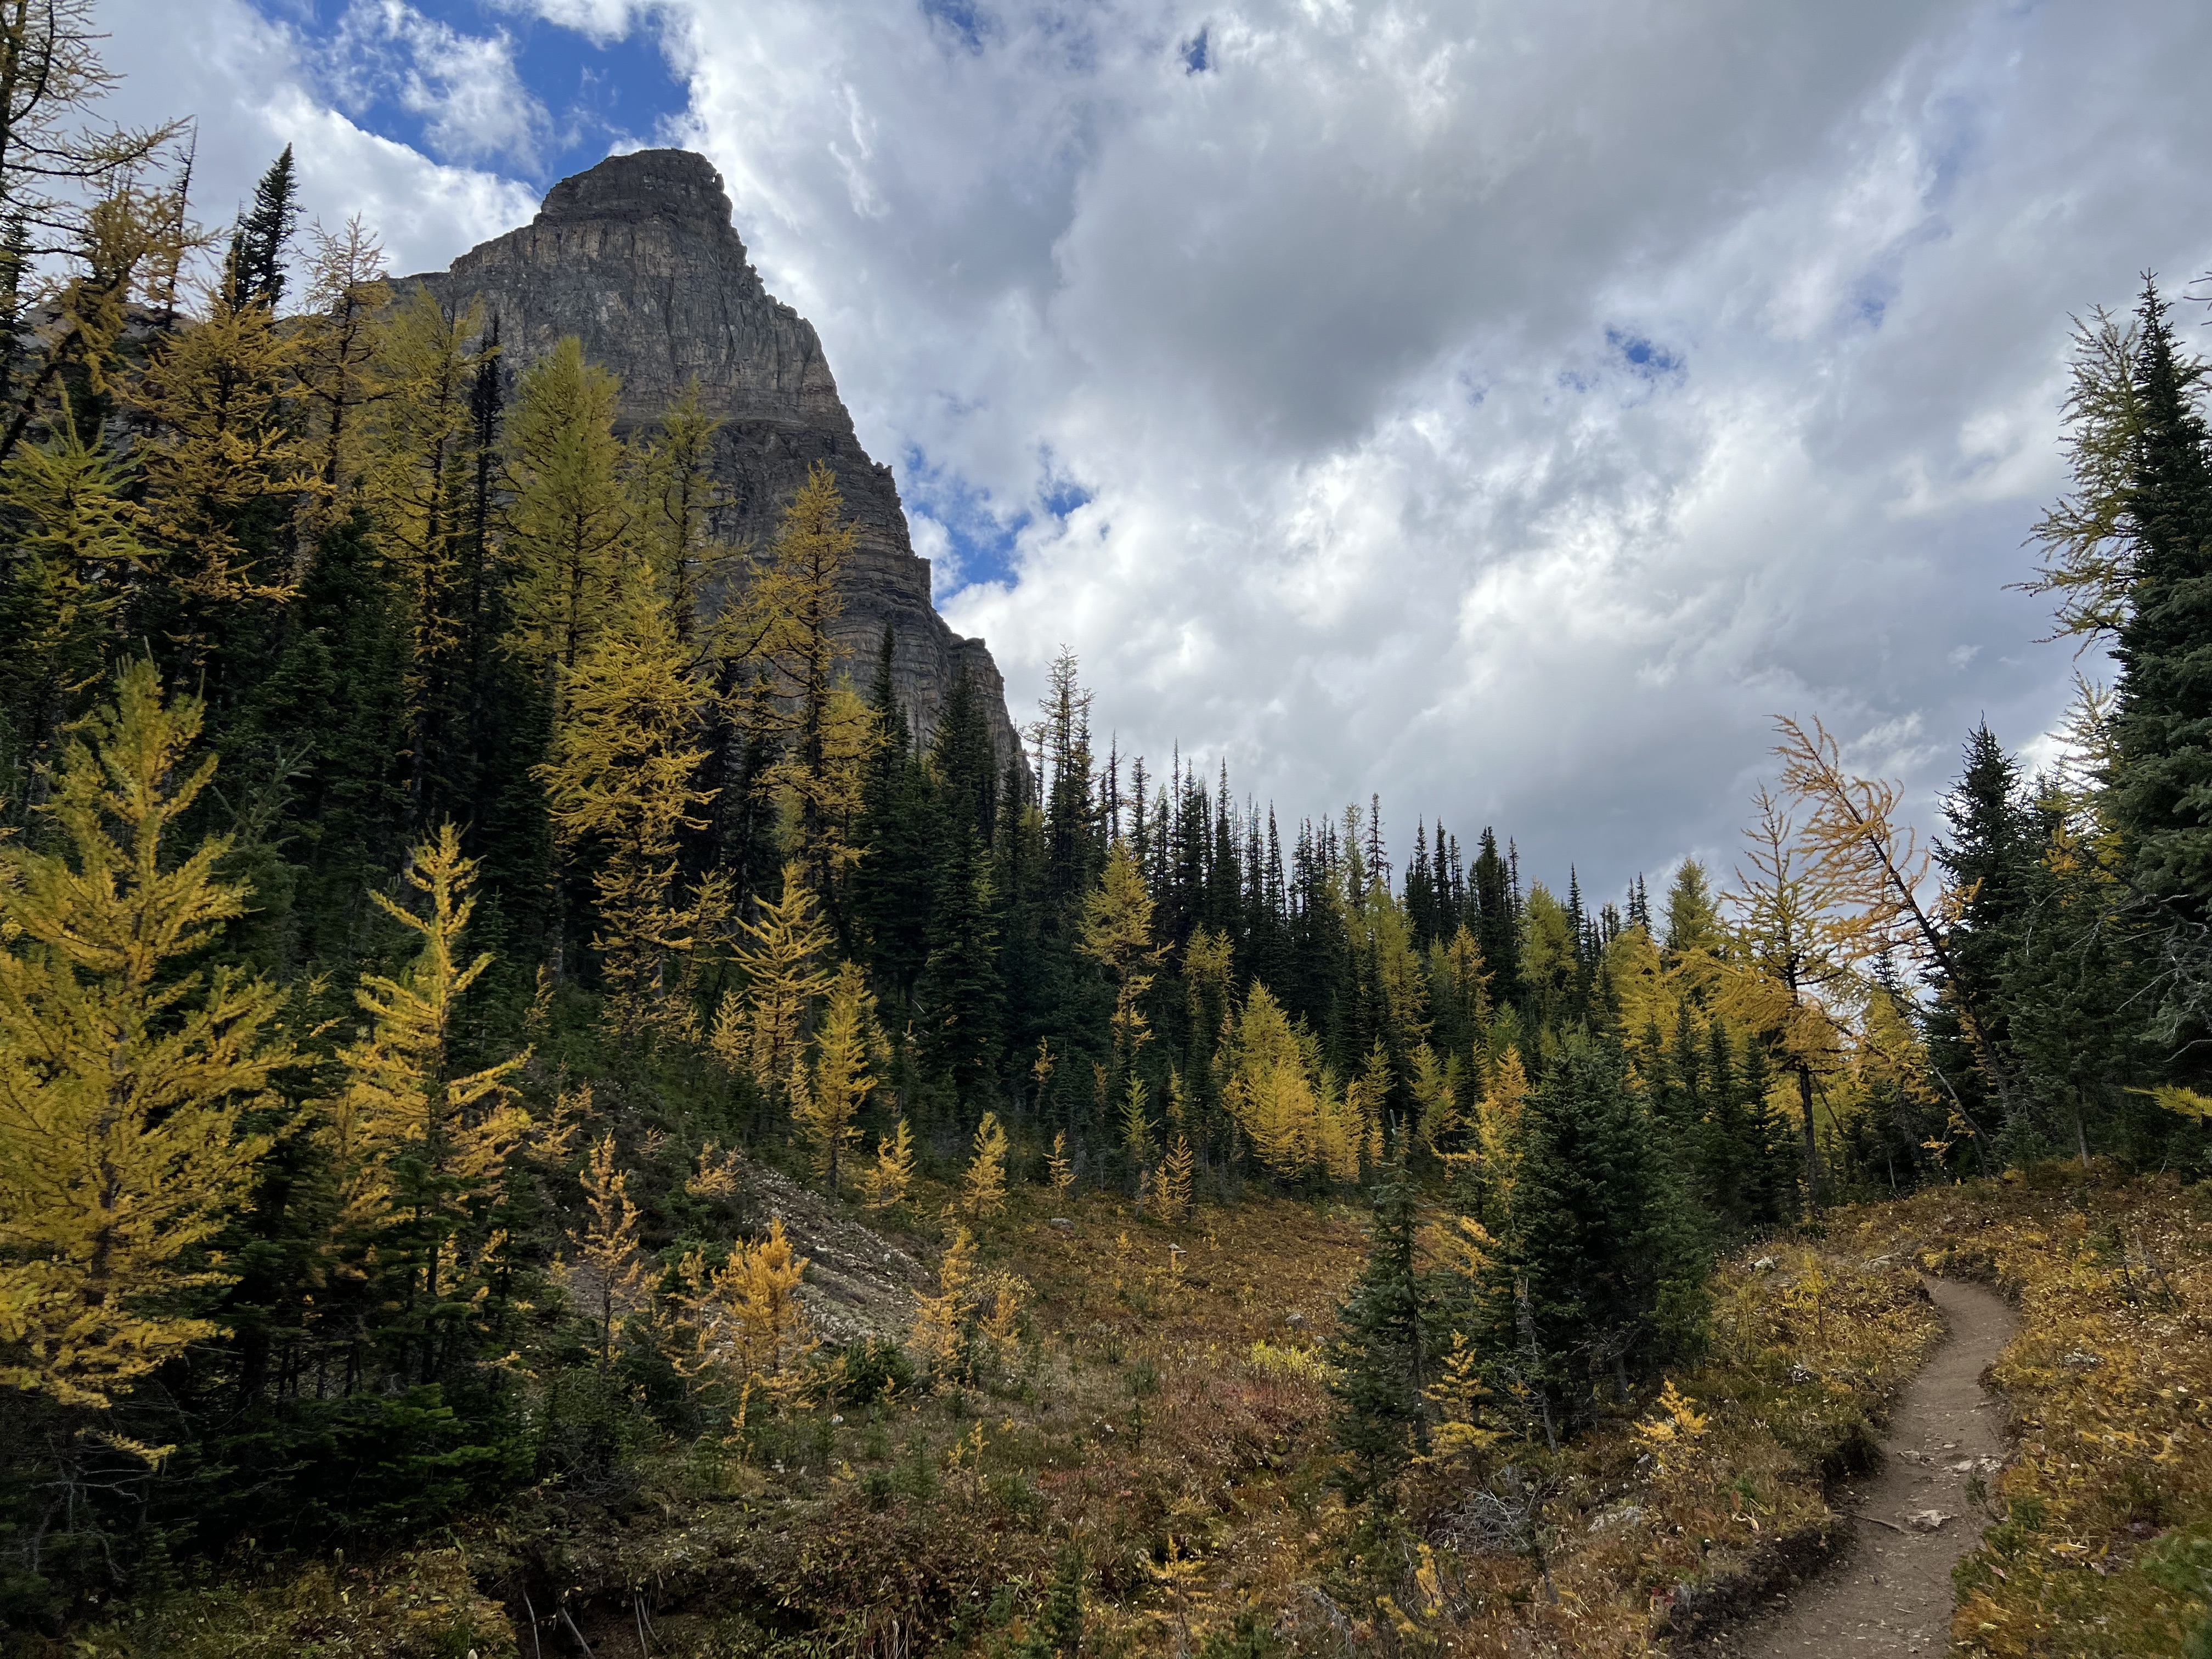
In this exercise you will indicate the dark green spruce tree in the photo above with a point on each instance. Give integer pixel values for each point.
(1382, 1348)
(253, 273)
(2162, 795)
(1601, 1276)
(897, 834)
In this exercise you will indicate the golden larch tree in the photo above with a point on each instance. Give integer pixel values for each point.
(124, 1073)
(419, 456)
(1117, 933)
(623, 775)
(783, 639)
(569, 524)
(339, 337)
(220, 395)
(742, 1329)
(825, 1101)
(409, 1134)
(1270, 1091)
(1797, 967)
(757, 1030)
(672, 481)
(607, 1276)
(885, 1182)
(983, 1185)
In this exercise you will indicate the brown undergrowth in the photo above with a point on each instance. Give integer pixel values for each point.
(2103, 1539)
(1164, 1416)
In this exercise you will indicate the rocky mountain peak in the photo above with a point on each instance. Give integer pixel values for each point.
(638, 258)
(677, 184)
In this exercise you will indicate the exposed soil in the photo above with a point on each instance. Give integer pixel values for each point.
(859, 1283)
(1888, 1591)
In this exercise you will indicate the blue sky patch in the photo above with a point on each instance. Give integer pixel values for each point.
(1062, 497)
(1653, 363)
(1195, 58)
(1872, 296)
(963, 19)
(549, 102)
(982, 537)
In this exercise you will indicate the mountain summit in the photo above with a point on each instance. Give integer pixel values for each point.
(639, 259)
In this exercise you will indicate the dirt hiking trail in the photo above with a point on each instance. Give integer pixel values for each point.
(1888, 1591)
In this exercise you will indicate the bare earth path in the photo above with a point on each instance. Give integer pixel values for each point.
(1888, 1592)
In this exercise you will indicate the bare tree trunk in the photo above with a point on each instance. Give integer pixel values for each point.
(1812, 1146)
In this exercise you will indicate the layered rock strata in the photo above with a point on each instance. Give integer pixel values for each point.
(638, 258)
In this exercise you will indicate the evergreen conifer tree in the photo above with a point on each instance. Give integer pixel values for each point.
(1599, 1278)
(254, 275)
(963, 997)
(897, 829)
(1381, 1349)
(2163, 794)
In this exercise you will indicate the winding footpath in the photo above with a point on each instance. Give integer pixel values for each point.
(1888, 1592)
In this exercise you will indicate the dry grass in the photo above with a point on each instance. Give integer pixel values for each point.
(1138, 1423)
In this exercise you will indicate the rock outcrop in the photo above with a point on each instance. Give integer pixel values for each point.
(639, 259)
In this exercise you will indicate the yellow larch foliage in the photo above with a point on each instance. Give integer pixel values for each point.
(1298, 1119)
(1270, 1093)
(784, 635)
(1798, 966)
(1459, 980)
(1348, 1127)
(218, 391)
(1497, 1136)
(623, 775)
(1117, 933)
(972, 1326)
(340, 336)
(402, 1103)
(569, 523)
(416, 476)
(1550, 957)
(1649, 998)
(824, 1103)
(1670, 1437)
(1137, 1124)
(758, 1031)
(1176, 1174)
(122, 1076)
(672, 482)
(934, 1341)
(1383, 934)
(2186, 1102)
(741, 1326)
(1457, 1431)
(1434, 1085)
(78, 549)
(983, 1186)
(716, 1174)
(607, 1276)
(997, 1340)
(1061, 1166)
(885, 1182)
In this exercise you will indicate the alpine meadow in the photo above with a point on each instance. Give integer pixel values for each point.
(571, 1081)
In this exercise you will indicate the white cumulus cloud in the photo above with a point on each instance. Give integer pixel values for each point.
(1506, 405)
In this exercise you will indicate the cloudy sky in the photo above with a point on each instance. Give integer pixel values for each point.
(1505, 406)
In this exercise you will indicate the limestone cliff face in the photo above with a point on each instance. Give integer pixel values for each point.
(639, 259)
